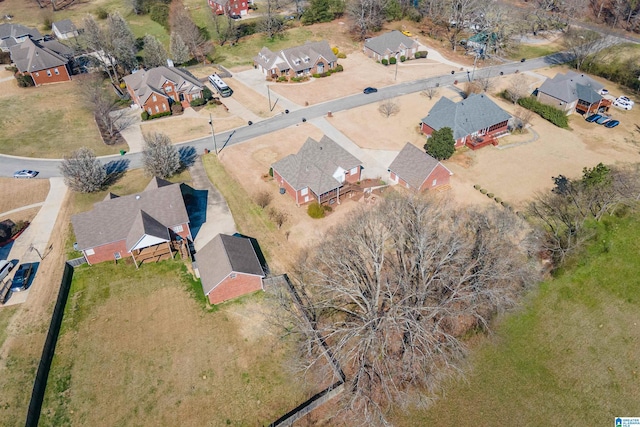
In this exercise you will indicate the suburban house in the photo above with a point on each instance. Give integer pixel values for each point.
(393, 44)
(13, 34)
(572, 92)
(476, 121)
(229, 7)
(310, 58)
(156, 89)
(64, 29)
(146, 226)
(228, 268)
(416, 170)
(322, 171)
(45, 61)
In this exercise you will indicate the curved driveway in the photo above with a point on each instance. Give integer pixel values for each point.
(49, 167)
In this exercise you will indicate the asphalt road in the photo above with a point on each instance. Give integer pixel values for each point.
(49, 167)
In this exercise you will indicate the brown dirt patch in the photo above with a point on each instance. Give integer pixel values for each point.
(196, 125)
(15, 193)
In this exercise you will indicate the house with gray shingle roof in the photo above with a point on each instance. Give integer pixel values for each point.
(321, 171)
(45, 61)
(476, 121)
(310, 58)
(13, 34)
(414, 169)
(572, 92)
(154, 90)
(64, 29)
(391, 44)
(143, 226)
(229, 267)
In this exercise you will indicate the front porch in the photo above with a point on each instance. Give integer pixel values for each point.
(338, 194)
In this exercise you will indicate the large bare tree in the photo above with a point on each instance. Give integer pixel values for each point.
(394, 289)
(191, 35)
(82, 172)
(367, 15)
(159, 156)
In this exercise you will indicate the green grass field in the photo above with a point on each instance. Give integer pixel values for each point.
(569, 357)
(534, 51)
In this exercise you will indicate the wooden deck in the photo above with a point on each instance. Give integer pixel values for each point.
(481, 141)
(155, 253)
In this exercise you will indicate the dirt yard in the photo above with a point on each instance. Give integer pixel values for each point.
(15, 193)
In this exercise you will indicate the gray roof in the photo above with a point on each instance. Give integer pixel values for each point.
(296, 58)
(465, 117)
(572, 86)
(315, 164)
(146, 82)
(413, 165)
(120, 218)
(10, 32)
(389, 43)
(64, 26)
(225, 255)
(30, 56)
(145, 225)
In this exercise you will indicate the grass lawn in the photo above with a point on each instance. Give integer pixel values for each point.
(534, 51)
(137, 348)
(6, 313)
(570, 357)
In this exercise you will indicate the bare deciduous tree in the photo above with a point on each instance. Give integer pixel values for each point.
(154, 53)
(108, 113)
(159, 156)
(394, 289)
(367, 15)
(263, 198)
(389, 107)
(82, 172)
(191, 35)
(179, 50)
(278, 217)
(430, 92)
(271, 23)
(518, 88)
(583, 44)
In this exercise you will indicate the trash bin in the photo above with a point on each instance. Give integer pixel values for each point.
(122, 152)
(283, 190)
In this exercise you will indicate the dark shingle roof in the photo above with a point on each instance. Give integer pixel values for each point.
(316, 165)
(146, 82)
(465, 117)
(572, 86)
(225, 255)
(389, 42)
(30, 56)
(413, 165)
(9, 33)
(296, 58)
(113, 219)
(145, 225)
(65, 26)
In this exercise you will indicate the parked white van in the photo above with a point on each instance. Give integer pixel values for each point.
(5, 268)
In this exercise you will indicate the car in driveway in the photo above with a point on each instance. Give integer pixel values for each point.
(5, 267)
(407, 33)
(602, 120)
(611, 124)
(623, 104)
(25, 173)
(22, 277)
(592, 118)
(235, 16)
(625, 99)
(368, 90)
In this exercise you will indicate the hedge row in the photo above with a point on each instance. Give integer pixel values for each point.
(146, 116)
(547, 112)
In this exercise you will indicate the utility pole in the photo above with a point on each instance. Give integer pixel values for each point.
(213, 134)
(396, 76)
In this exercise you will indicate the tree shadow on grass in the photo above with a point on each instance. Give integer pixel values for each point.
(115, 170)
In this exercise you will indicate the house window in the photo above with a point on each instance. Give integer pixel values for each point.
(90, 252)
(164, 107)
(435, 181)
(149, 111)
(154, 98)
(195, 96)
(117, 255)
(57, 73)
(157, 109)
(49, 73)
(37, 74)
(169, 89)
(304, 191)
(178, 228)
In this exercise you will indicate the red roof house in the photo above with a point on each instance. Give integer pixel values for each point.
(416, 170)
(229, 268)
(229, 7)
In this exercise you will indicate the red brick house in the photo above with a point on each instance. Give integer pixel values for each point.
(476, 121)
(229, 7)
(310, 58)
(322, 171)
(145, 226)
(416, 170)
(45, 61)
(156, 89)
(229, 268)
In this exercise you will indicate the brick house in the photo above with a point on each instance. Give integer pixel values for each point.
(476, 121)
(321, 171)
(416, 170)
(391, 44)
(228, 268)
(572, 92)
(310, 58)
(13, 34)
(146, 226)
(229, 7)
(156, 89)
(64, 29)
(45, 61)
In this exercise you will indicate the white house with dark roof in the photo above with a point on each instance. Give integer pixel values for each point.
(64, 29)
(13, 34)
(321, 171)
(476, 121)
(154, 90)
(572, 92)
(307, 59)
(143, 226)
(45, 61)
(414, 169)
(229, 267)
(393, 44)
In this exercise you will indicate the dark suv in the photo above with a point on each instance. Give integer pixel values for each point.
(21, 278)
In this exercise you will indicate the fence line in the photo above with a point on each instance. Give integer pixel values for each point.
(40, 383)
